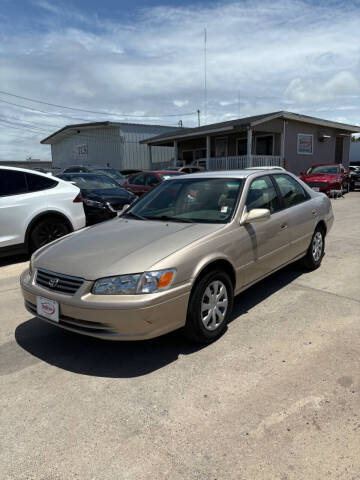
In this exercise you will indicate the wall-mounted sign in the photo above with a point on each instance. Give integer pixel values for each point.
(305, 143)
(81, 150)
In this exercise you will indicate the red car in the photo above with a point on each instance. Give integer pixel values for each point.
(140, 183)
(325, 177)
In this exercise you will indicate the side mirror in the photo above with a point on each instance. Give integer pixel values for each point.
(257, 215)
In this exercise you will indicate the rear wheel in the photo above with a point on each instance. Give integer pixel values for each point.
(47, 230)
(316, 250)
(209, 307)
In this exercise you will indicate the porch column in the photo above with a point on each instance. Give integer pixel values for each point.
(208, 151)
(249, 147)
(283, 138)
(150, 157)
(175, 153)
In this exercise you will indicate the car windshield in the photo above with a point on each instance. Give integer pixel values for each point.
(111, 172)
(332, 169)
(202, 200)
(89, 181)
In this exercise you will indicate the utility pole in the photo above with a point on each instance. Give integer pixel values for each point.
(198, 113)
(205, 80)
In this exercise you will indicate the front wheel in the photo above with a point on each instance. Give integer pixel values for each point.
(209, 307)
(47, 230)
(316, 250)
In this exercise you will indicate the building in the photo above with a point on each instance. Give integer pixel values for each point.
(355, 153)
(280, 138)
(108, 143)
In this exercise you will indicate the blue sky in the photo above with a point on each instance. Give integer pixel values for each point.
(146, 58)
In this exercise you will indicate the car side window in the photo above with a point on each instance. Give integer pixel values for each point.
(262, 194)
(36, 182)
(138, 180)
(291, 191)
(12, 183)
(151, 180)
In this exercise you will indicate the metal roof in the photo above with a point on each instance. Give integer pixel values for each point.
(242, 123)
(95, 125)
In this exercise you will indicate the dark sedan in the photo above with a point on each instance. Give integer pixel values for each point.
(103, 198)
(110, 172)
(354, 177)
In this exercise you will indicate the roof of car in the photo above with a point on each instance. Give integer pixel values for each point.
(231, 173)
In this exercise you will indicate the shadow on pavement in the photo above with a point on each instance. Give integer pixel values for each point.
(13, 259)
(89, 356)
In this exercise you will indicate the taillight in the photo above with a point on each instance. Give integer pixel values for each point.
(78, 198)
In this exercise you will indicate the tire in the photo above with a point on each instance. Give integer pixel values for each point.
(316, 250)
(203, 325)
(47, 230)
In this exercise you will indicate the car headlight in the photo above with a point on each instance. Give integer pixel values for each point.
(93, 203)
(147, 282)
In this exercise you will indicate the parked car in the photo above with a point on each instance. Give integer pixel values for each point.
(275, 167)
(186, 169)
(176, 261)
(142, 182)
(103, 198)
(354, 177)
(111, 172)
(325, 177)
(35, 209)
(129, 171)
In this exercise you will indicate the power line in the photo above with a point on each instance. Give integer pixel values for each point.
(96, 112)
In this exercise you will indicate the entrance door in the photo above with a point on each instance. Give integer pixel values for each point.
(339, 146)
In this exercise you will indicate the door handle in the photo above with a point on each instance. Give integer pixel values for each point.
(283, 226)
(314, 212)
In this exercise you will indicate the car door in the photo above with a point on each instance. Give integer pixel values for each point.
(264, 246)
(302, 213)
(17, 206)
(151, 180)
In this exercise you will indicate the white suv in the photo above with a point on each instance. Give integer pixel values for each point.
(35, 209)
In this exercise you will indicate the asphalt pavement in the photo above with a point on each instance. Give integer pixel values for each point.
(277, 397)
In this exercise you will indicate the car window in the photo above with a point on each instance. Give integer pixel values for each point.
(291, 191)
(151, 180)
(12, 183)
(262, 194)
(36, 182)
(138, 180)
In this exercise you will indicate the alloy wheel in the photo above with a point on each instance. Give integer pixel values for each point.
(214, 305)
(317, 246)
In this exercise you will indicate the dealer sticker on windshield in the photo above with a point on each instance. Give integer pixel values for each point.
(48, 308)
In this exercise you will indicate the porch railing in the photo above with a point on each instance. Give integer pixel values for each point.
(244, 161)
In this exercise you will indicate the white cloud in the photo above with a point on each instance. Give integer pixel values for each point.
(287, 54)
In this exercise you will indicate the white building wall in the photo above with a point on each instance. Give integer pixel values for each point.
(117, 147)
(98, 146)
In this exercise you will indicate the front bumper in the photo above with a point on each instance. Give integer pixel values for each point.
(115, 317)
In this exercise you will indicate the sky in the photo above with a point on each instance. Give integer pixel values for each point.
(143, 61)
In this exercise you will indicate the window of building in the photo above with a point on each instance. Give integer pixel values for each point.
(264, 145)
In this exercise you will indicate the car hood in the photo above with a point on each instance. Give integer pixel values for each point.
(108, 195)
(322, 177)
(119, 246)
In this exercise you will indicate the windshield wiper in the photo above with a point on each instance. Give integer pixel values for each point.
(134, 215)
(171, 219)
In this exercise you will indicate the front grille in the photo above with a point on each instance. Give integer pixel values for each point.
(57, 282)
(317, 184)
(74, 324)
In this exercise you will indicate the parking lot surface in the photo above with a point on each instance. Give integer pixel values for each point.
(277, 397)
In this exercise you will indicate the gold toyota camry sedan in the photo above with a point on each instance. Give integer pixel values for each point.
(176, 258)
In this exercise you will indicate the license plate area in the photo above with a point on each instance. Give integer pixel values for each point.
(47, 308)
